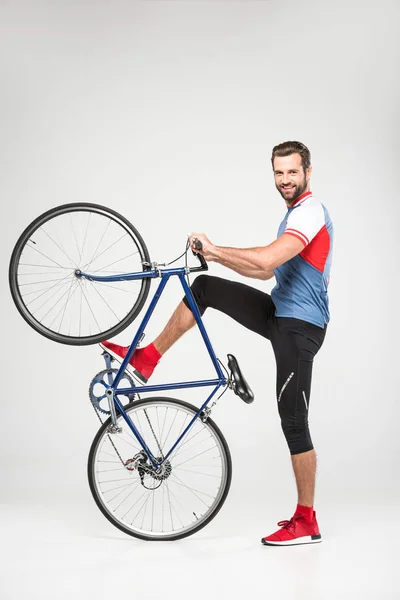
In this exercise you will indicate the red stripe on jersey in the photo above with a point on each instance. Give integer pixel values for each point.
(301, 198)
(296, 236)
(291, 230)
(316, 253)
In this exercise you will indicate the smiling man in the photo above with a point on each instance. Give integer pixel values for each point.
(294, 317)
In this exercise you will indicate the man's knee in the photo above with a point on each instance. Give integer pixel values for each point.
(297, 434)
(199, 284)
(199, 291)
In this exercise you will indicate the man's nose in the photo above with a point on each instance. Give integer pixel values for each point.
(285, 178)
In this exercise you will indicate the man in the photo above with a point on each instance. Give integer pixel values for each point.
(294, 318)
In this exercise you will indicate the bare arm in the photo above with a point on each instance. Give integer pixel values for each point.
(256, 262)
(253, 273)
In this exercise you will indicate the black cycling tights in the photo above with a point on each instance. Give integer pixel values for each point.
(295, 343)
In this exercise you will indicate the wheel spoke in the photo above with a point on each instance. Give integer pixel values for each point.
(36, 265)
(73, 233)
(48, 289)
(59, 246)
(179, 482)
(44, 281)
(54, 305)
(199, 454)
(115, 262)
(48, 258)
(108, 248)
(103, 299)
(103, 283)
(66, 302)
(85, 236)
(184, 510)
(90, 308)
(63, 308)
(169, 430)
(98, 245)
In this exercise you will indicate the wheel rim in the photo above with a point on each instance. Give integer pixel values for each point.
(48, 290)
(190, 492)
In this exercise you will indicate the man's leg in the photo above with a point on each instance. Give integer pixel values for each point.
(248, 306)
(295, 344)
(181, 321)
(305, 466)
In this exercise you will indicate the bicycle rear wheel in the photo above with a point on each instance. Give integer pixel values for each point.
(179, 500)
(48, 294)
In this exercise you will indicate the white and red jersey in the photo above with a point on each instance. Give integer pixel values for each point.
(301, 291)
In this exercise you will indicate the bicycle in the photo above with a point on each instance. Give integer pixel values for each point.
(158, 468)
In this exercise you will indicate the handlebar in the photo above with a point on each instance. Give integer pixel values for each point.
(204, 266)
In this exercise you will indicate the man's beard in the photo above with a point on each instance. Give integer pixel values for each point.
(294, 193)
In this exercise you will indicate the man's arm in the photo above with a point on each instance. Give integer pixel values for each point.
(253, 262)
(253, 273)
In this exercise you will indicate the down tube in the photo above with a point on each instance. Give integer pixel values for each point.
(197, 316)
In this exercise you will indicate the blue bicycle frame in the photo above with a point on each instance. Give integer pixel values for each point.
(217, 383)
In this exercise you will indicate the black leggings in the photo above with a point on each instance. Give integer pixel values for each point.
(295, 343)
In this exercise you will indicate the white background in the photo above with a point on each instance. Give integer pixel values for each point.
(168, 112)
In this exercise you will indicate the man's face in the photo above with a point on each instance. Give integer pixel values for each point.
(290, 179)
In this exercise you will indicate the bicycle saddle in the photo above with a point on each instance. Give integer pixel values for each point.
(240, 387)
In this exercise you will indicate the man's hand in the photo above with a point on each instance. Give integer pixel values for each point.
(208, 250)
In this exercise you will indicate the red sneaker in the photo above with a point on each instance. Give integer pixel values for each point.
(142, 363)
(298, 530)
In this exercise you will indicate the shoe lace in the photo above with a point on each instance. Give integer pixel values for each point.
(291, 523)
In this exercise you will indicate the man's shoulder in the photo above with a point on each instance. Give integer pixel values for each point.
(311, 208)
(309, 204)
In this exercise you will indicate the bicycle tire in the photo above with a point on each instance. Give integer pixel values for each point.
(97, 212)
(110, 513)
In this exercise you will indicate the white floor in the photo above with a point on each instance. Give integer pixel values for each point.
(65, 551)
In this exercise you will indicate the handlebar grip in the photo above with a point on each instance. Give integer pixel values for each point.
(199, 246)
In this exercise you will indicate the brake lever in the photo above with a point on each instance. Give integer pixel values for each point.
(198, 245)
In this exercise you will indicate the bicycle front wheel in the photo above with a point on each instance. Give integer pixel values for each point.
(42, 274)
(184, 495)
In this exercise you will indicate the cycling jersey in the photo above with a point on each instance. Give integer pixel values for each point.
(301, 289)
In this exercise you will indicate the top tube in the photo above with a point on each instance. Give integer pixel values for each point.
(153, 273)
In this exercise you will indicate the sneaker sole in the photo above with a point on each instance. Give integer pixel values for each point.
(307, 539)
(131, 370)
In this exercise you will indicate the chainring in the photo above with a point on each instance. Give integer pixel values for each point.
(98, 386)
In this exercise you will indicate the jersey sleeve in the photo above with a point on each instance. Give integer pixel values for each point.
(305, 222)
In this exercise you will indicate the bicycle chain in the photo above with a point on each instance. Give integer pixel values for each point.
(109, 437)
(154, 435)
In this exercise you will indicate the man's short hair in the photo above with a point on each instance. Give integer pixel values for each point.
(287, 148)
